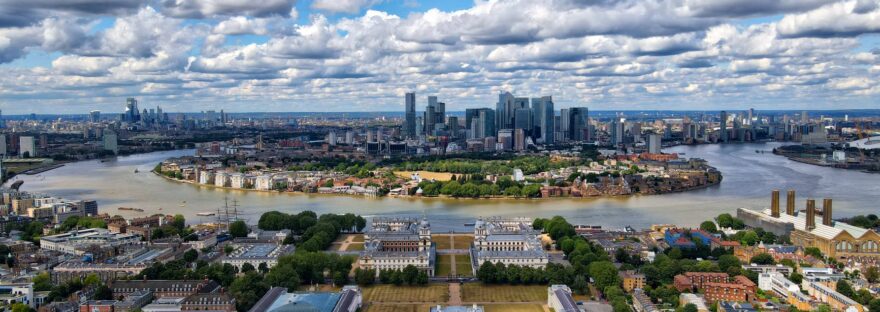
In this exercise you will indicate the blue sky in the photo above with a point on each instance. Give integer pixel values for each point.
(362, 55)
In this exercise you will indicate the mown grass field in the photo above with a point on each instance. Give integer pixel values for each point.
(463, 241)
(527, 307)
(398, 308)
(406, 294)
(477, 292)
(463, 265)
(444, 265)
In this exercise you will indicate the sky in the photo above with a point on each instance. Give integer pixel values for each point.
(73, 56)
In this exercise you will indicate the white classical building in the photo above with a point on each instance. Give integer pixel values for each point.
(221, 179)
(394, 243)
(77, 242)
(256, 253)
(206, 177)
(508, 241)
(263, 182)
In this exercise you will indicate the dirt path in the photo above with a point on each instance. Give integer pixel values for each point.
(454, 269)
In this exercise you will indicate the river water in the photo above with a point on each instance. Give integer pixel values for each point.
(748, 179)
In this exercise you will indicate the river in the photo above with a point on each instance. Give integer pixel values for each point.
(748, 179)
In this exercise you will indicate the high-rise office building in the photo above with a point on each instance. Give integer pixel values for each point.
(654, 143)
(564, 124)
(483, 124)
(409, 125)
(27, 147)
(2, 145)
(577, 124)
(617, 131)
(504, 110)
(523, 120)
(542, 119)
(131, 113)
(2, 121)
(94, 116)
(111, 141)
(452, 125)
(723, 125)
(430, 115)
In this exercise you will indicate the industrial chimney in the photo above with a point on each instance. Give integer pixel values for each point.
(774, 204)
(811, 214)
(789, 203)
(826, 212)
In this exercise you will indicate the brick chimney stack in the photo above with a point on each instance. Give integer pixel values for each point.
(811, 214)
(789, 203)
(826, 212)
(774, 204)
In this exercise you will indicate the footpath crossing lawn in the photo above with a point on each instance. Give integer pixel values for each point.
(527, 307)
(463, 265)
(407, 294)
(478, 292)
(444, 265)
(399, 308)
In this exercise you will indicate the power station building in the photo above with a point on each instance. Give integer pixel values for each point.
(834, 238)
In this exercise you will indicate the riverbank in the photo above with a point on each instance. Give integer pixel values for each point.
(440, 196)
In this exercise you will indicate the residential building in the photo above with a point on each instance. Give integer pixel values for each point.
(631, 280)
(780, 286)
(27, 147)
(164, 288)
(697, 300)
(642, 303)
(716, 286)
(17, 293)
(836, 300)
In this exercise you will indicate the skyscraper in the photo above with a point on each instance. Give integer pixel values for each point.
(430, 115)
(542, 119)
(409, 125)
(565, 124)
(94, 116)
(523, 120)
(577, 124)
(131, 111)
(654, 143)
(504, 111)
(723, 125)
(617, 131)
(2, 145)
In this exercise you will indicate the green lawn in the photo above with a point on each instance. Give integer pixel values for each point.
(477, 292)
(463, 265)
(442, 242)
(528, 307)
(397, 308)
(463, 241)
(406, 294)
(444, 265)
(355, 247)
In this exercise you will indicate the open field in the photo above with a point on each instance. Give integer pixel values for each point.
(527, 307)
(408, 294)
(477, 292)
(398, 308)
(442, 242)
(463, 241)
(439, 176)
(444, 265)
(463, 265)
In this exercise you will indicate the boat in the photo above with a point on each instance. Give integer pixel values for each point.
(131, 209)
(136, 171)
(206, 214)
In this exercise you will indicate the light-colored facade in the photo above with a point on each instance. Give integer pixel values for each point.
(221, 179)
(784, 288)
(27, 147)
(257, 253)
(263, 182)
(559, 298)
(76, 242)
(394, 243)
(206, 177)
(834, 299)
(509, 241)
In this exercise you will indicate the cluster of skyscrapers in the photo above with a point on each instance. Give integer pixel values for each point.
(133, 115)
(533, 119)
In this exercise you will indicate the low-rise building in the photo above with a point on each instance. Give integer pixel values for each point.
(394, 243)
(559, 298)
(17, 293)
(834, 299)
(717, 286)
(277, 299)
(780, 286)
(164, 288)
(632, 280)
(510, 241)
(694, 299)
(642, 303)
(77, 242)
(257, 253)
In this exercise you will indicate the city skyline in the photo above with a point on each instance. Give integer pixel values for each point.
(362, 56)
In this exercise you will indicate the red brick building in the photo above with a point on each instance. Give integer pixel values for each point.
(716, 286)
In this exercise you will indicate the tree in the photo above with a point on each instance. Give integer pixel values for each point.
(247, 267)
(690, 307)
(872, 274)
(874, 305)
(763, 258)
(750, 238)
(20, 307)
(42, 282)
(190, 255)
(179, 222)
(725, 262)
(92, 279)
(283, 275)
(247, 290)
(238, 229)
(263, 268)
(228, 249)
(814, 251)
(708, 226)
(364, 277)
(580, 285)
(604, 273)
(844, 288)
(796, 277)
